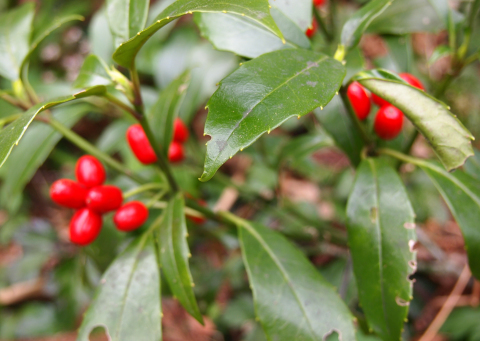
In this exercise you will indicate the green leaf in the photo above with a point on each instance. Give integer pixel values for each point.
(381, 234)
(357, 24)
(305, 145)
(472, 166)
(299, 11)
(126, 18)
(461, 192)
(39, 37)
(292, 300)
(15, 31)
(174, 254)
(37, 144)
(128, 302)
(257, 10)
(336, 121)
(12, 133)
(165, 110)
(439, 52)
(264, 93)
(450, 140)
(93, 72)
(245, 37)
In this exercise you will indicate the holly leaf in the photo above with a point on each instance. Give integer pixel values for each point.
(174, 254)
(264, 93)
(93, 72)
(381, 234)
(450, 140)
(12, 133)
(126, 18)
(128, 301)
(292, 300)
(461, 192)
(257, 10)
(299, 11)
(15, 32)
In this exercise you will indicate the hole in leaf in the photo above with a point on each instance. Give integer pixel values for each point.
(332, 336)
(99, 333)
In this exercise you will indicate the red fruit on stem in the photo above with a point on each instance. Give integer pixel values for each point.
(89, 171)
(312, 29)
(140, 146)
(130, 216)
(85, 226)
(379, 101)
(175, 152)
(388, 122)
(198, 220)
(68, 193)
(412, 80)
(103, 199)
(359, 99)
(318, 3)
(180, 131)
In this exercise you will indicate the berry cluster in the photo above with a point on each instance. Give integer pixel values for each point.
(389, 119)
(91, 198)
(141, 147)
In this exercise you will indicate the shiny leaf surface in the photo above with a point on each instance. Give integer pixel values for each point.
(292, 300)
(12, 133)
(257, 10)
(128, 302)
(93, 72)
(174, 254)
(126, 18)
(381, 233)
(450, 140)
(299, 11)
(262, 94)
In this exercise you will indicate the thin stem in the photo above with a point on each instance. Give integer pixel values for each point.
(9, 119)
(321, 24)
(161, 159)
(346, 102)
(400, 156)
(137, 102)
(143, 188)
(91, 149)
(14, 101)
(114, 100)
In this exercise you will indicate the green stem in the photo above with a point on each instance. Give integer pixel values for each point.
(91, 149)
(137, 102)
(143, 188)
(161, 159)
(114, 100)
(13, 101)
(346, 102)
(322, 25)
(402, 157)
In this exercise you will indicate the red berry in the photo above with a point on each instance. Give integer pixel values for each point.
(388, 122)
(359, 99)
(139, 144)
(412, 80)
(180, 131)
(130, 216)
(68, 193)
(104, 198)
(175, 152)
(379, 101)
(318, 3)
(198, 220)
(85, 226)
(90, 172)
(312, 29)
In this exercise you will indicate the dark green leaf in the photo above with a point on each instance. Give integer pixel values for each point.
(174, 254)
(165, 110)
(12, 133)
(15, 32)
(357, 24)
(257, 10)
(450, 140)
(472, 166)
(292, 300)
(305, 145)
(461, 192)
(37, 144)
(126, 18)
(94, 71)
(245, 37)
(127, 303)
(336, 121)
(381, 234)
(262, 94)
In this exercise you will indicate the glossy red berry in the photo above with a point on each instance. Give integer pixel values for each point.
(130, 216)
(318, 3)
(412, 80)
(68, 193)
(388, 122)
(198, 220)
(379, 101)
(175, 152)
(85, 226)
(180, 131)
(359, 99)
(312, 29)
(103, 199)
(140, 146)
(90, 172)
